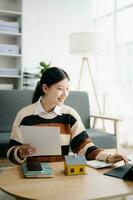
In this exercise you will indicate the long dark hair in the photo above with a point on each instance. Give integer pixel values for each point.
(51, 76)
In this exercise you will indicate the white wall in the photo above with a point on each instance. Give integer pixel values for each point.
(46, 28)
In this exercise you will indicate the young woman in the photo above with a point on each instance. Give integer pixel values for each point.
(48, 109)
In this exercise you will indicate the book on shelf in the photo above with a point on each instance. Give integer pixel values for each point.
(6, 86)
(9, 49)
(29, 80)
(29, 75)
(46, 171)
(9, 26)
(9, 71)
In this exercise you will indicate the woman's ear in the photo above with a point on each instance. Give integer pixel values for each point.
(44, 88)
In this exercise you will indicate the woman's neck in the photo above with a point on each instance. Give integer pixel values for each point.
(46, 105)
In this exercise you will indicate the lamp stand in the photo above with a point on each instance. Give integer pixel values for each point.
(85, 60)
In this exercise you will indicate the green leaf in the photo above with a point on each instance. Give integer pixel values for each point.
(43, 66)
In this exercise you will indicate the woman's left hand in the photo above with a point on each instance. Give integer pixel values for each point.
(116, 158)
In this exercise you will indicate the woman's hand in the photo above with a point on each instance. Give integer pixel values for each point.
(116, 158)
(26, 150)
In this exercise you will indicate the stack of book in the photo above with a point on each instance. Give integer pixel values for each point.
(9, 49)
(29, 80)
(35, 172)
(9, 71)
(6, 86)
(9, 26)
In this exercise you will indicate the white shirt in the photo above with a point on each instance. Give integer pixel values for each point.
(39, 110)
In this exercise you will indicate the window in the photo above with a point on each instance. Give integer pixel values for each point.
(114, 64)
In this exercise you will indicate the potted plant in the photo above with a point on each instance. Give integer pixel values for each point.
(43, 66)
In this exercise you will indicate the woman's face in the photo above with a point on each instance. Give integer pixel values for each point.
(57, 93)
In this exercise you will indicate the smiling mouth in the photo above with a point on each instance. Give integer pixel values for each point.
(61, 99)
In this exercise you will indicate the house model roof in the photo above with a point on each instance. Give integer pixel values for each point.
(75, 160)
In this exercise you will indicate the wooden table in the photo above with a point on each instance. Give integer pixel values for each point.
(92, 186)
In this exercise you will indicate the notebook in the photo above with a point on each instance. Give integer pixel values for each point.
(46, 172)
(46, 139)
(97, 164)
(122, 172)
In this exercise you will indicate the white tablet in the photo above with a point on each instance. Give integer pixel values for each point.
(46, 139)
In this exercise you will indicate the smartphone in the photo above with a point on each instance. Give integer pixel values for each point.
(34, 166)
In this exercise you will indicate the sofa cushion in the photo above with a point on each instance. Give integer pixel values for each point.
(3, 149)
(4, 142)
(79, 100)
(11, 102)
(4, 137)
(102, 139)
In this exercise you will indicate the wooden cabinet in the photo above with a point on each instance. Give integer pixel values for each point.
(11, 71)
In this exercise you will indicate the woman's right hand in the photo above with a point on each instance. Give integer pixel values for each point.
(26, 150)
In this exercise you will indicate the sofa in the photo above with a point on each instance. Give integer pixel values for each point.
(11, 101)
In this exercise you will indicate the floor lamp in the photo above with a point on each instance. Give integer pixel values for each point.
(84, 44)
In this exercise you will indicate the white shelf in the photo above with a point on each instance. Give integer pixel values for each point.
(12, 34)
(11, 11)
(10, 55)
(9, 76)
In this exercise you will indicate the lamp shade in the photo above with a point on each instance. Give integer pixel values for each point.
(84, 43)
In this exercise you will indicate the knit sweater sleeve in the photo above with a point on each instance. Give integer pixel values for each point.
(81, 142)
(15, 137)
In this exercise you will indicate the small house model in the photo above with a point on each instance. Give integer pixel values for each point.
(74, 165)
